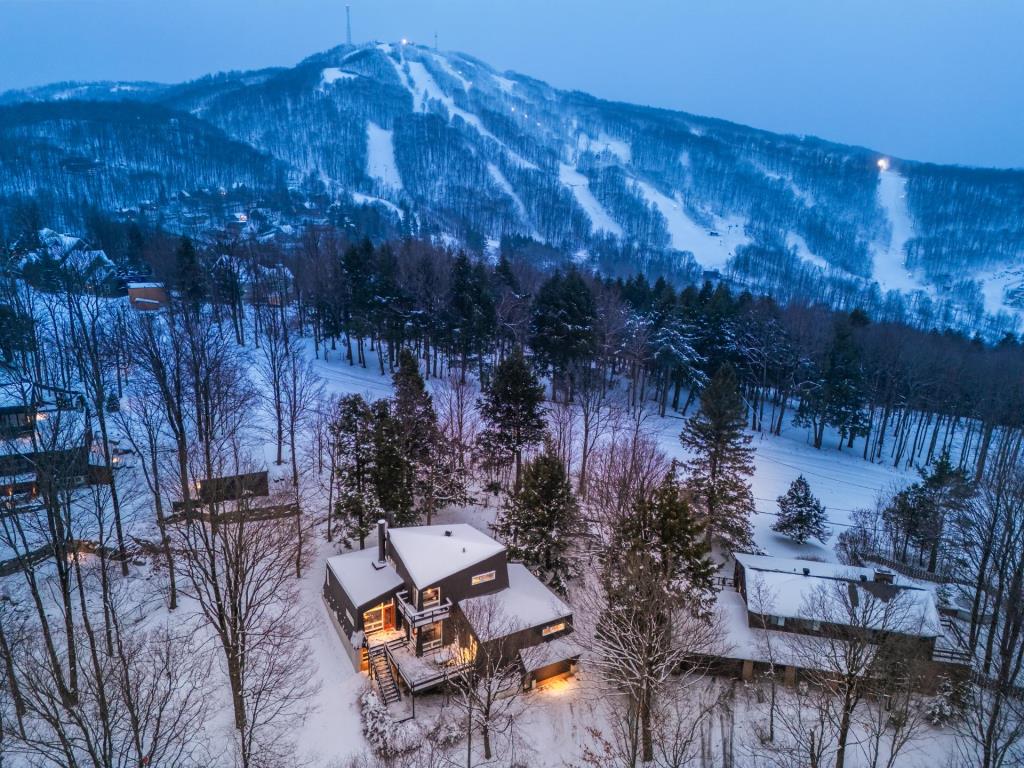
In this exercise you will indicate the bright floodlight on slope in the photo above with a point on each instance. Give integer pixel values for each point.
(883, 163)
(405, 41)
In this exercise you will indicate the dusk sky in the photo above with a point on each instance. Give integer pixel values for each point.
(938, 80)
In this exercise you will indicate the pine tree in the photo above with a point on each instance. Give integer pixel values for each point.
(357, 503)
(801, 515)
(541, 519)
(189, 278)
(513, 409)
(420, 443)
(664, 528)
(392, 471)
(562, 326)
(721, 462)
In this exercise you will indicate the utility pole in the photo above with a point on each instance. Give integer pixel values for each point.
(348, 24)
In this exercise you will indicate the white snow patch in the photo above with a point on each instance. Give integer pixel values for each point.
(424, 89)
(504, 83)
(450, 70)
(793, 240)
(890, 271)
(501, 181)
(362, 199)
(605, 143)
(380, 156)
(712, 247)
(996, 283)
(332, 75)
(600, 219)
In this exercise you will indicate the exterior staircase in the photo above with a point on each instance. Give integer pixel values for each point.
(384, 675)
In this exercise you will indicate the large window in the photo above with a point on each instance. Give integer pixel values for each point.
(483, 578)
(431, 597)
(431, 635)
(552, 629)
(373, 619)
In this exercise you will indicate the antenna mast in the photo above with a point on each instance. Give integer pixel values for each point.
(435, 41)
(348, 24)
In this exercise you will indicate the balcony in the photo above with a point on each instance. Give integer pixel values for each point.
(421, 618)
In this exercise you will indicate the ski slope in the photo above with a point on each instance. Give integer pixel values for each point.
(600, 219)
(380, 156)
(890, 271)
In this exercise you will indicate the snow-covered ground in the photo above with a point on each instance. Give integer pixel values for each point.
(713, 247)
(890, 270)
(600, 219)
(380, 156)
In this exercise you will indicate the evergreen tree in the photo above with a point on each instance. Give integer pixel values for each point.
(541, 519)
(188, 274)
(471, 311)
(421, 444)
(562, 325)
(392, 470)
(357, 502)
(664, 529)
(801, 515)
(513, 409)
(721, 461)
(835, 396)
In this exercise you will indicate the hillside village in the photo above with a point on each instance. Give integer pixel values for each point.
(353, 504)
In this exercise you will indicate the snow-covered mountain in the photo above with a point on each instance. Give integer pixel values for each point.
(443, 144)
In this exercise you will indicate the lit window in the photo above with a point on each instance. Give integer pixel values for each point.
(551, 629)
(431, 597)
(483, 578)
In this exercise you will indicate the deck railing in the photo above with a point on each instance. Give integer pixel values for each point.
(420, 618)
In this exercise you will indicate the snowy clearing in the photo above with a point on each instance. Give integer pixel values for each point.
(890, 271)
(712, 247)
(600, 219)
(380, 156)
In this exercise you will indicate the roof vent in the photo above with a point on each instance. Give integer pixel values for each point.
(807, 571)
(863, 577)
(447, 533)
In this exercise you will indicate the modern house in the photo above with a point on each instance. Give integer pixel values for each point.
(417, 610)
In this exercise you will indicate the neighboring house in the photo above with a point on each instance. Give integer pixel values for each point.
(44, 438)
(801, 596)
(146, 297)
(416, 610)
(778, 599)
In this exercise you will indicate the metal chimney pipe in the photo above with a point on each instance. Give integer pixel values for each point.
(382, 532)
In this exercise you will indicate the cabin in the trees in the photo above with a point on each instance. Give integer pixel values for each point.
(146, 297)
(419, 608)
(45, 440)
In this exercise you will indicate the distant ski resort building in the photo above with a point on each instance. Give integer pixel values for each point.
(415, 611)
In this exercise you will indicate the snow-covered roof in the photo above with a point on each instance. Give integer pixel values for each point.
(791, 593)
(526, 603)
(559, 649)
(433, 552)
(359, 576)
(140, 286)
